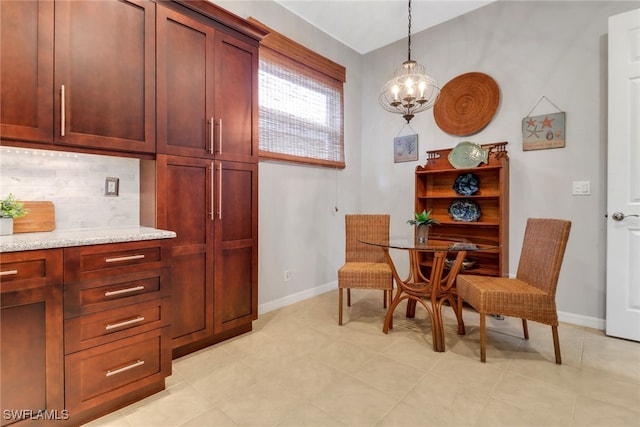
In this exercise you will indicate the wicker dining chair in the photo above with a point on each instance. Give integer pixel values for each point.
(365, 265)
(531, 295)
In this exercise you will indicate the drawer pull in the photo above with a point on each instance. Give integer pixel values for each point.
(124, 258)
(123, 291)
(124, 368)
(8, 272)
(124, 323)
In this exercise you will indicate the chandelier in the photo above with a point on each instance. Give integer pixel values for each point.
(411, 90)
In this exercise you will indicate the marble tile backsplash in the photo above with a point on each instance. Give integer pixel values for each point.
(75, 183)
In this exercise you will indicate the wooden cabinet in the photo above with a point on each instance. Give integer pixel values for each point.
(206, 176)
(207, 89)
(105, 74)
(212, 207)
(116, 324)
(103, 60)
(31, 349)
(186, 123)
(236, 246)
(26, 70)
(185, 205)
(434, 191)
(236, 99)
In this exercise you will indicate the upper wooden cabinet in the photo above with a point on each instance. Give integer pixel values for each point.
(207, 89)
(236, 99)
(186, 124)
(105, 75)
(435, 191)
(26, 70)
(103, 60)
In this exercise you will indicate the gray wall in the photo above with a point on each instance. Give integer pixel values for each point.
(299, 229)
(532, 49)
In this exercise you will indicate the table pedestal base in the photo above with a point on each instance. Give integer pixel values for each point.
(436, 289)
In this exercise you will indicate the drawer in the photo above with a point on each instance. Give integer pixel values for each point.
(95, 329)
(109, 292)
(106, 372)
(30, 269)
(87, 262)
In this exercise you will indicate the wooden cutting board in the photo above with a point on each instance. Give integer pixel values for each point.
(41, 217)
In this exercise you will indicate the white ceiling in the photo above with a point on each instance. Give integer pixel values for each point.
(366, 25)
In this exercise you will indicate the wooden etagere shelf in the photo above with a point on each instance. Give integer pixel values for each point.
(434, 191)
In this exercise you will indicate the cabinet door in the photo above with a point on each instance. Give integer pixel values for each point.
(185, 85)
(236, 100)
(236, 283)
(31, 360)
(105, 74)
(26, 70)
(185, 206)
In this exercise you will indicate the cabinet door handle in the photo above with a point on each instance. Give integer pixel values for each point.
(123, 291)
(220, 191)
(110, 326)
(62, 110)
(212, 198)
(124, 368)
(8, 272)
(212, 125)
(124, 258)
(220, 136)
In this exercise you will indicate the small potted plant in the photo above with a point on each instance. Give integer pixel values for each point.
(423, 221)
(10, 209)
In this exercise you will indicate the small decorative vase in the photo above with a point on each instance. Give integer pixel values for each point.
(422, 233)
(6, 226)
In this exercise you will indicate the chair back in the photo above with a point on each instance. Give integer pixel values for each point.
(372, 227)
(543, 249)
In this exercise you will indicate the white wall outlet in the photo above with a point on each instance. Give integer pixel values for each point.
(581, 188)
(287, 275)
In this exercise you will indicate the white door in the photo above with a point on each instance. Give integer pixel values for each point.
(623, 189)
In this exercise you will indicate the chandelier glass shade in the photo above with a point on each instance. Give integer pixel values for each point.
(411, 90)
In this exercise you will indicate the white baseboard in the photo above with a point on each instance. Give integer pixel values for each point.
(577, 319)
(297, 297)
(574, 319)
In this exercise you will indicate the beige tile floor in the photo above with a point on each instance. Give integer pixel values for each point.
(299, 368)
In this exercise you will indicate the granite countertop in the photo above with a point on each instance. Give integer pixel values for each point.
(67, 238)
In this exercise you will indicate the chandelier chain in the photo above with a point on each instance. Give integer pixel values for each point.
(409, 34)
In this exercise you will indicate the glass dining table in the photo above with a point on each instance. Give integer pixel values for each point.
(440, 285)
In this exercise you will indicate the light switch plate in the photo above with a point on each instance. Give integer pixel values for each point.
(111, 186)
(581, 188)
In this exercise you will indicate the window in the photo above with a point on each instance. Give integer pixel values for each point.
(300, 103)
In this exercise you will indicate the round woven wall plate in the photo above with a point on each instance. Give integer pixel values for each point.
(466, 104)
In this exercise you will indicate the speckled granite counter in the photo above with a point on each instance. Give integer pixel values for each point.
(67, 238)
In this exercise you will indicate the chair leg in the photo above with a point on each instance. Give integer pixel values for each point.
(483, 338)
(384, 299)
(525, 329)
(340, 306)
(389, 302)
(556, 344)
(348, 297)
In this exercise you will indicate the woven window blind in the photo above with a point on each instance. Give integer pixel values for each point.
(301, 104)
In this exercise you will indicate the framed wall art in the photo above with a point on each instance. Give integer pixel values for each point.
(405, 148)
(544, 131)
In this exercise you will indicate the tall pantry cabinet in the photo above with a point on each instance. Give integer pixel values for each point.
(206, 170)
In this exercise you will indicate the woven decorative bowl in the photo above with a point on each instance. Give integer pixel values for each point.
(466, 104)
